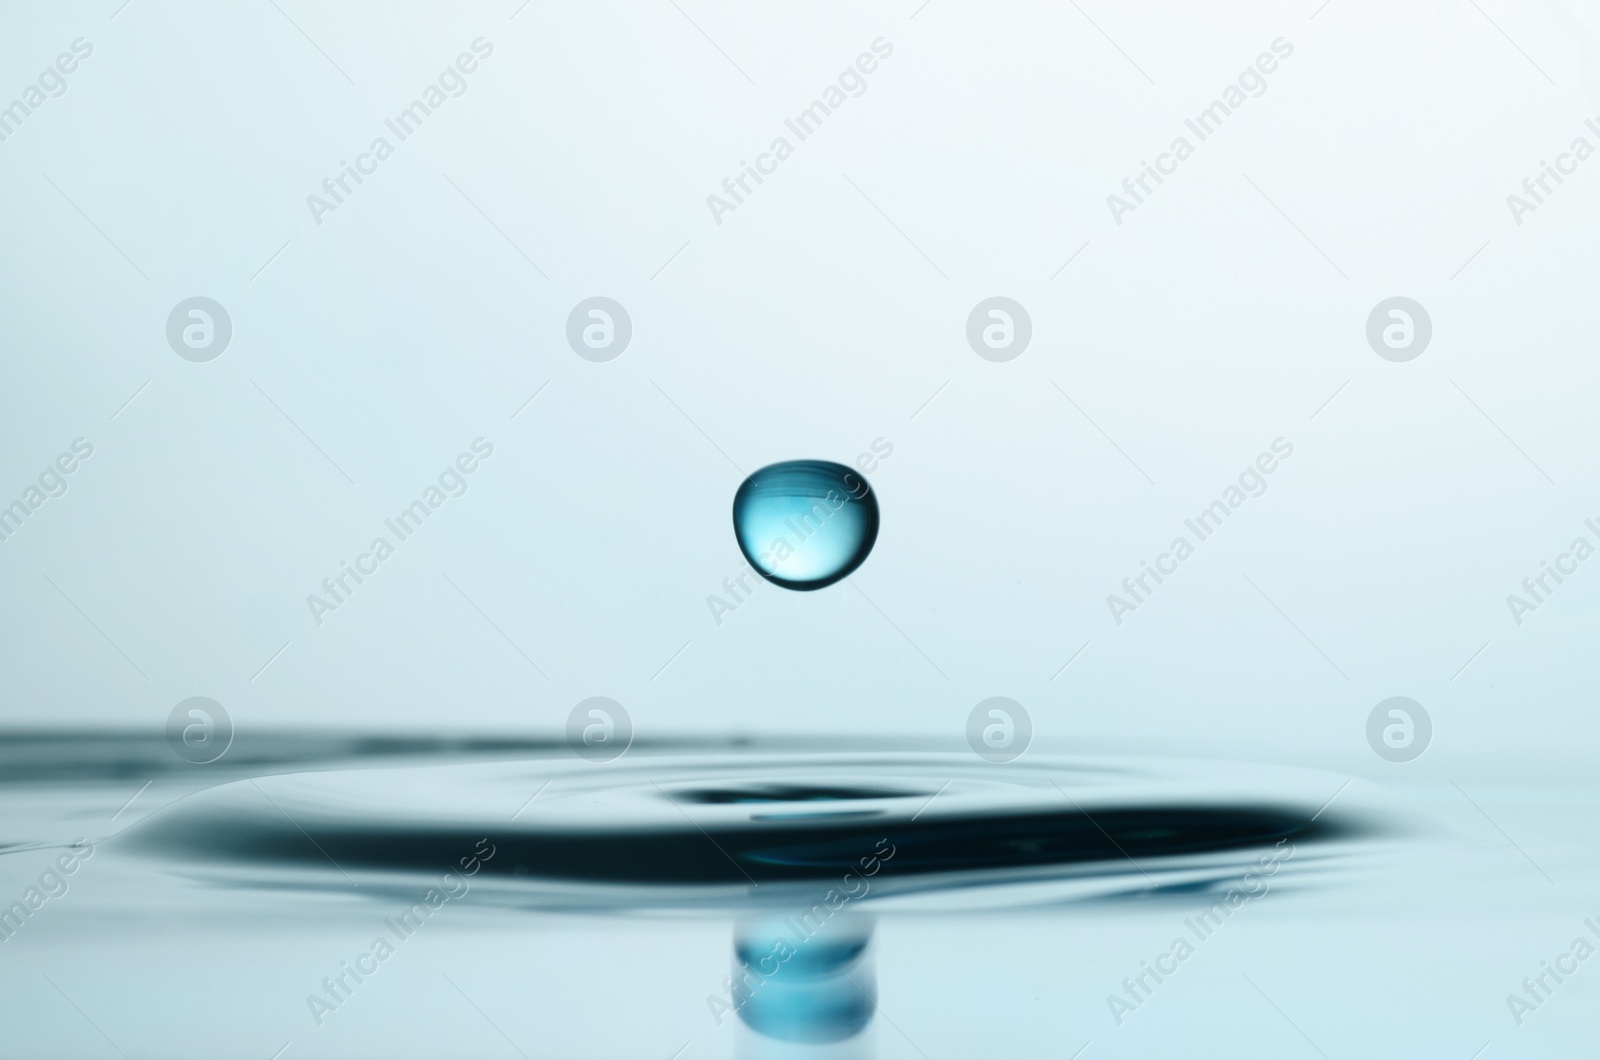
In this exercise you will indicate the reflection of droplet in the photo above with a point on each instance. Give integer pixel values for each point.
(803, 978)
(804, 524)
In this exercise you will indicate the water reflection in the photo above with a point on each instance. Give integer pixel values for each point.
(805, 979)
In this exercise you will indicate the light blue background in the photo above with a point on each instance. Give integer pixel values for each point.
(804, 325)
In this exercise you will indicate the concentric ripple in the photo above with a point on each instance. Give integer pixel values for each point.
(733, 831)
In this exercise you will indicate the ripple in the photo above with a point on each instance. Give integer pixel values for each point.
(734, 831)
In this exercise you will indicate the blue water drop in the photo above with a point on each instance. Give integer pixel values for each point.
(804, 524)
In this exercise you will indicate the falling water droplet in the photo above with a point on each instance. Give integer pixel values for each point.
(804, 524)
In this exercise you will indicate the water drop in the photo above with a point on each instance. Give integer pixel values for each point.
(805, 524)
